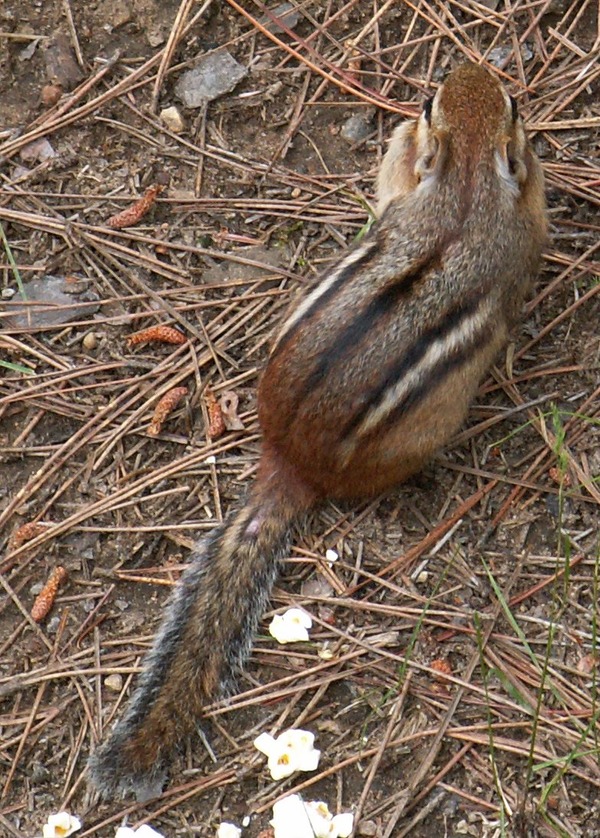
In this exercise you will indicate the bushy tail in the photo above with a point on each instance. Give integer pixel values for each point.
(202, 643)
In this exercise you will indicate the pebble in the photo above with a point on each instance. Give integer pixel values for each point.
(90, 341)
(38, 151)
(50, 95)
(356, 128)
(172, 119)
(61, 63)
(367, 828)
(286, 13)
(499, 55)
(114, 682)
(215, 75)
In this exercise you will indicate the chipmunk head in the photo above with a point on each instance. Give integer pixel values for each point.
(470, 119)
(469, 136)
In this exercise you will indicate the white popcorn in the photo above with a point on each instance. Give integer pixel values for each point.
(331, 556)
(293, 818)
(290, 627)
(344, 824)
(60, 825)
(228, 830)
(143, 831)
(293, 750)
(290, 818)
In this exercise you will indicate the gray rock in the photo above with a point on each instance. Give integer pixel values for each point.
(215, 75)
(499, 55)
(286, 13)
(47, 302)
(357, 128)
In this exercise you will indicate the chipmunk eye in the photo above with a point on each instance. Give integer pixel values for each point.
(514, 108)
(427, 105)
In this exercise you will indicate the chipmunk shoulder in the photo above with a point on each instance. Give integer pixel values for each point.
(372, 372)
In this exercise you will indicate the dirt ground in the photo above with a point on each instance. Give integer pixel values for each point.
(451, 673)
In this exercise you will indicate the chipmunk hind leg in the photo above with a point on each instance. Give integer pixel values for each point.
(204, 639)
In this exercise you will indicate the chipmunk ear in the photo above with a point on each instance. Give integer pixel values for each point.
(431, 156)
(510, 161)
(427, 107)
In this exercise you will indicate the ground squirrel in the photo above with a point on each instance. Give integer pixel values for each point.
(369, 376)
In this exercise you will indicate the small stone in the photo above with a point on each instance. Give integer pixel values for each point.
(286, 13)
(356, 128)
(39, 773)
(37, 151)
(156, 36)
(53, 624)
(499, 55)
(50, 95)
(19, 173)
(90, 341)
(215, 75)
(317, 586)
(61, 63)
(121, 12)
(172, 119)
(114, 682)
(28, 51)
(8, 293)
(367, 828)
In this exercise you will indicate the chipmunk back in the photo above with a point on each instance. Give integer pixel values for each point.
(372, 372)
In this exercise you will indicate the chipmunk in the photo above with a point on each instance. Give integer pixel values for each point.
(369, 376)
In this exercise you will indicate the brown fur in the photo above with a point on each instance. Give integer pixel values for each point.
(372, 373)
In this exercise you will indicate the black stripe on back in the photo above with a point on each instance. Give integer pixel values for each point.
(364, 324)
(436, 375)
(346, 274)
(411, 358)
